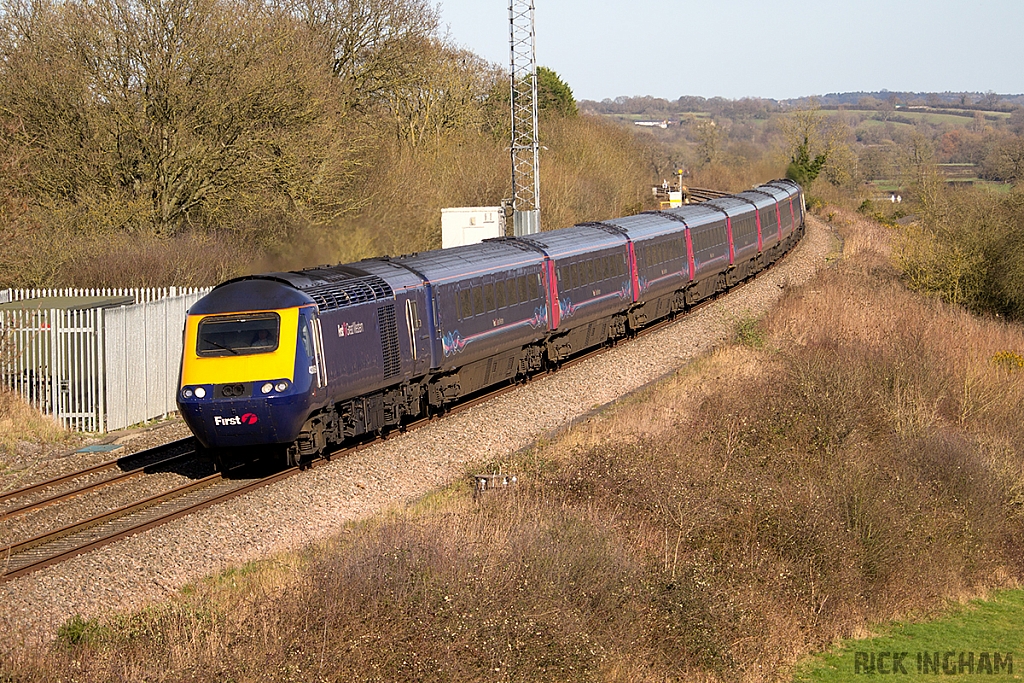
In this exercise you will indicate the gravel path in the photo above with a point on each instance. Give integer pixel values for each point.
(318, 503)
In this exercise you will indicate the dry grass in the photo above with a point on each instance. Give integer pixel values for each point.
(23, 429)
(863, 464)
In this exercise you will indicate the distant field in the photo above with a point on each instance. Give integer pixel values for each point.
(915, 116)
(926, 117)
(962, 645)
(885, 185)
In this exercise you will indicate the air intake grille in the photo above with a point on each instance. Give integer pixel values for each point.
(389, 341)
(331, 296)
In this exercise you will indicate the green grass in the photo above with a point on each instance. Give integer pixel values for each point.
(981, 627)
(927, 117)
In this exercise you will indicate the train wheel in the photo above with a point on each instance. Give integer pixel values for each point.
(292, 457)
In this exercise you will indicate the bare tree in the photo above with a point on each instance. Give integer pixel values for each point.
(818, 143)
(183, 111)
(709, 142)
(372, 46)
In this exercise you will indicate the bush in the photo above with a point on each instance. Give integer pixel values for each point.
(967, 248)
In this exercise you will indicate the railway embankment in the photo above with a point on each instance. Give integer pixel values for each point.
(827, 451)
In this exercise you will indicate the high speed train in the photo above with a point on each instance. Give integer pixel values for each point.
(301, 360)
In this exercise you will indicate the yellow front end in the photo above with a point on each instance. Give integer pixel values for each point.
(276, 364)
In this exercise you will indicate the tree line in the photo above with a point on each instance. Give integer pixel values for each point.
(194, 139)
(154, 116)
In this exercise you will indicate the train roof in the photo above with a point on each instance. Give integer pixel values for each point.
(472, 259)
(760, 198)
(697, 215)
(254, 293)
(787, 187)
(576, 239)
(392, 271)
(732, 205)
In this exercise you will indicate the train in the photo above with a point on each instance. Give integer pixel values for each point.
(300, 361)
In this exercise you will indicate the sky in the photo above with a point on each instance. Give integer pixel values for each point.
(741, 48)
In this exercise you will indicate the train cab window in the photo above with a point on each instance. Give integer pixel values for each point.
(304, 337)
(238, 335)
(478, 301)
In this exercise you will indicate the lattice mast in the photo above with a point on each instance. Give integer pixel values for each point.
(525, 144)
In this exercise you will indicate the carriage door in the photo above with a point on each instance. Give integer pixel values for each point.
(419, 336)
(313, 343)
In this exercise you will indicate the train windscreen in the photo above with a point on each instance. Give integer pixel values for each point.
(238, 335)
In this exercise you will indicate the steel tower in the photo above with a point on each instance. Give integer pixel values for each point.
(525, 145)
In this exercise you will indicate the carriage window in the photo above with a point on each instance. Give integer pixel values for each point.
(478, 301)
(489, 296)
(590, 271)
(499, 287)
(523, 294)
(574, 276)
(533, 286)
(465, 306)
(238, 335)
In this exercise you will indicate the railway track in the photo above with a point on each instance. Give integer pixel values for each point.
(130, 466)
(24, 557)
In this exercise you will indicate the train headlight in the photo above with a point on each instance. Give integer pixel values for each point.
(187, 393)
(267, 388)
(200, 392)
(281, 386)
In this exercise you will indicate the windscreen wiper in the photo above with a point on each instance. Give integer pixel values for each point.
(220, 346)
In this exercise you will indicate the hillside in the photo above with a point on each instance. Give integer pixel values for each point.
(853, 457)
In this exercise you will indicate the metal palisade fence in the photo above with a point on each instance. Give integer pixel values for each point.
(140, 294)
(95, 369)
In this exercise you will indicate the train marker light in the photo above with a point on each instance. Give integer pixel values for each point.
(200, 392)
(267, 388)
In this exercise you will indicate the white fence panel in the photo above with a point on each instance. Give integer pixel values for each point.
(25, 356)
(96, 369)
(52, 359)
(143, 352)
(141, 294)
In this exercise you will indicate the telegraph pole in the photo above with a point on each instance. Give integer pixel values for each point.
(525, 144)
